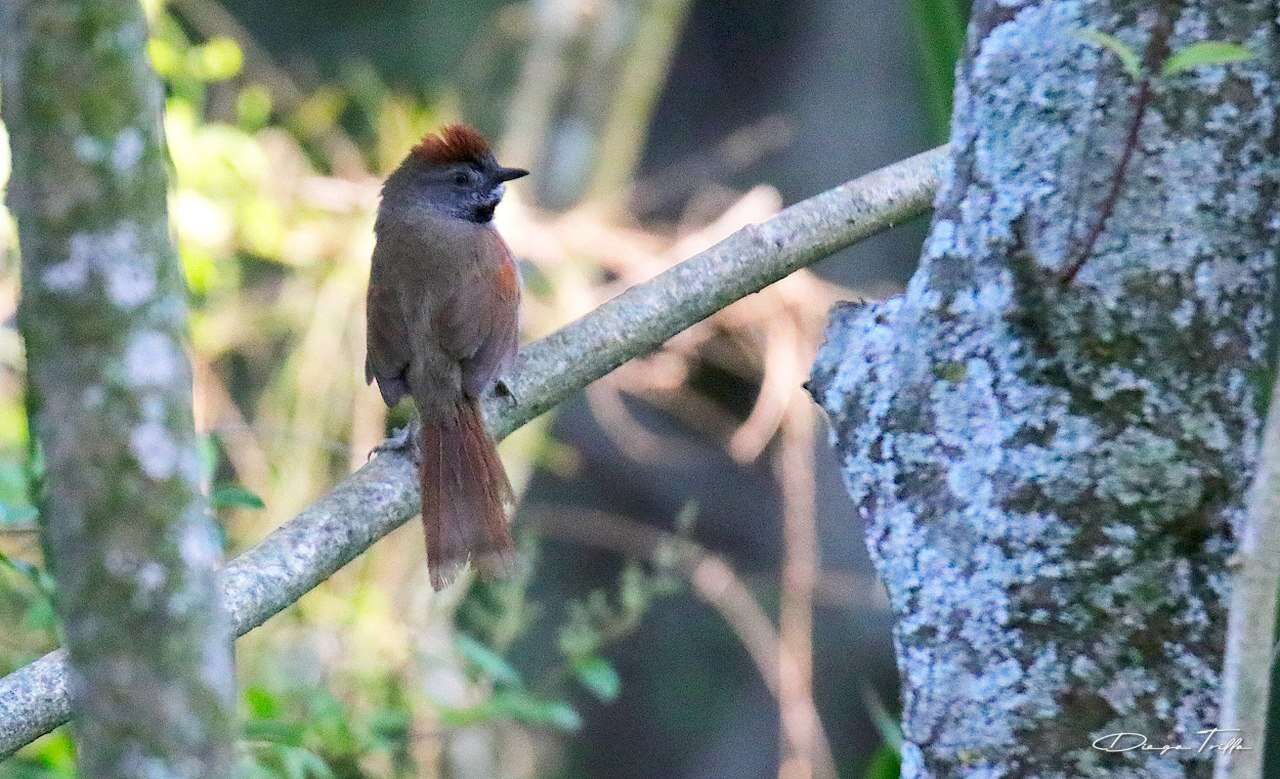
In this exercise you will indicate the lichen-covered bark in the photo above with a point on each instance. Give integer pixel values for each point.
(103, 315)
(1051, 473)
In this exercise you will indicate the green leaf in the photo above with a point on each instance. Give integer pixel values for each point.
(328, 719)
(261, 703)
(562, 716)
(36, 575)
(21, 567)
(248, 767)
(939, 27)
(54, 754)
(886, 763)
(525, 708)
(217, 60)
(299, 763)
(274, 732)
(465, 717)
(1129, 58)
(253, 107)
(890, 730)
(208, 448)
(228, 496)
(489, 662)
(1204, 53)
(390, 725)
(39, 616)
(165, 57)
(598, 676)
(315, 765)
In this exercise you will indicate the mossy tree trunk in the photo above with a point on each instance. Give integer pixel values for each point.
(103, 314)
(1052, 464)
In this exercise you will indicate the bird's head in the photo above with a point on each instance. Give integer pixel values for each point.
(454, 173)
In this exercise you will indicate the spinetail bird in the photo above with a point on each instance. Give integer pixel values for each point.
(443, 317)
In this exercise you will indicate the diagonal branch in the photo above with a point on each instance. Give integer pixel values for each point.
(382, 495)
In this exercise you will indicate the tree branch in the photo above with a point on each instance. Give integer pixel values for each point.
(1251, 621)
(382, 495)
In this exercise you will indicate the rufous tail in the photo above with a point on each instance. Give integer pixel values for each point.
(464, 492)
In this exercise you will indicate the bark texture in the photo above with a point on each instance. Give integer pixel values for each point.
(103, 315)
(1052, 470)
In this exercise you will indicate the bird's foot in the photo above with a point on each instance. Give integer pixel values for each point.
(404, 441)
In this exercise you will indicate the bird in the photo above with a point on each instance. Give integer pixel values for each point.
(443, 310)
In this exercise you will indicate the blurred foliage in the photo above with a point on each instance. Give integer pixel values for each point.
(273, 186)
(301, 732)
(272, 208)
(885, 764)
(939, 28)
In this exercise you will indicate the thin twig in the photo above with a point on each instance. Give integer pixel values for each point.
(383, 494)
(1156, 51)
(1140, 101)
(714, 582)
(799, 713)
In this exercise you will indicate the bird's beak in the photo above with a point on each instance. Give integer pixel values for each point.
(510, 174)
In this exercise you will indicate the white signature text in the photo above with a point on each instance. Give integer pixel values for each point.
(1215, 740)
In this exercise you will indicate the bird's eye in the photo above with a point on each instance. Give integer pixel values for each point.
(461, 179)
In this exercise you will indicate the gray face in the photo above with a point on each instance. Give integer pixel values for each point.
(469, 191)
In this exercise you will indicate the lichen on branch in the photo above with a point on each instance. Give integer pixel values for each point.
(1051, 476)
(103, 317)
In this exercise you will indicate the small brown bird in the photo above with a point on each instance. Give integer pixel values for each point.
(443, 316)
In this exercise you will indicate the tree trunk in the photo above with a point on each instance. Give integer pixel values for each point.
(103, 314)
(1050, 435)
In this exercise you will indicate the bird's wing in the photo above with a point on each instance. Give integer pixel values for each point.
(387, 339)
(479, 324)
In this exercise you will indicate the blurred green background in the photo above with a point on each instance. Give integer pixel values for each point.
(682, 521)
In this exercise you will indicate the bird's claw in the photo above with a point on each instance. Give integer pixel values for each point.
(403, 440)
